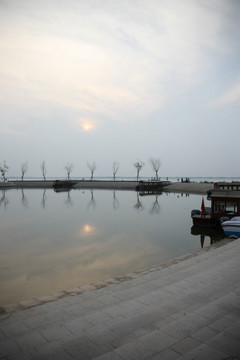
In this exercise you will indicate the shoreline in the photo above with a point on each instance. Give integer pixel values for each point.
(191, 188)
(7, 309)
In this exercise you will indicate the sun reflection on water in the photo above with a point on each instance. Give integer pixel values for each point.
(86, 230)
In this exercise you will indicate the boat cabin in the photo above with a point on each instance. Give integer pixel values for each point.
(225, 202)
(234, 186)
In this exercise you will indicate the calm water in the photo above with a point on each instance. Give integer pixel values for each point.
(54, 241)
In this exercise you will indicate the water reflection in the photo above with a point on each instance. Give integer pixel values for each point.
(213, 234)
(52, 241)
(4, 200)
(155, 207)
(44, 198)
(24, 199)
(92, 202)
(69, 201)
(87, 230)
(138, 206)
(115, 201)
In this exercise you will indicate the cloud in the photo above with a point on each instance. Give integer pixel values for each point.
(121, 62)
(231, 96)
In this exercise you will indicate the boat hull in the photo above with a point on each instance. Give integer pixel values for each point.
(207, 220)
(232, 227)
(231, 230)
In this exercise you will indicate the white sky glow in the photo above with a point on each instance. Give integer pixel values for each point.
(119, 80)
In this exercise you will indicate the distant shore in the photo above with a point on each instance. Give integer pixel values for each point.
(179, 187)
(76, 184)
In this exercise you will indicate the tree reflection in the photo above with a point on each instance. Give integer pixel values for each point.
(24, 200)
(44, 198)
(4, 200)
(155, 207)
(115, 200)
(69, 201)
(138, 206)
(92, 202)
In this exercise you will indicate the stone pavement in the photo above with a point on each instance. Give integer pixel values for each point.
(188, 310)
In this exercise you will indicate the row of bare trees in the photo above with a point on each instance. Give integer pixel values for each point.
(156, 163)
(92, 167)
(24, 169)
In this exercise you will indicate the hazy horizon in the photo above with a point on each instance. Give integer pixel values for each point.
(125, 177)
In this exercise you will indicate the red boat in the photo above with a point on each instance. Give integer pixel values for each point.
(225, 202)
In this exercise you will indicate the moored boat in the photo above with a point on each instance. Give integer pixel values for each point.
(225, 201)
(200, 219)
(203, 217)
(231, 226)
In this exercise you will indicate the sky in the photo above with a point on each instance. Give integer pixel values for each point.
(120, 80)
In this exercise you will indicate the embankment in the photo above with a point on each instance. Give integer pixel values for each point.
(193, 188)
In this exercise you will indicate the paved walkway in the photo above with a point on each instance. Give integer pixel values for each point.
(188, 310)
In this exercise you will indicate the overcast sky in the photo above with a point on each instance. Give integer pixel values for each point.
(120, 80)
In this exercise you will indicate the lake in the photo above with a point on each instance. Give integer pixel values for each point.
(56, 241)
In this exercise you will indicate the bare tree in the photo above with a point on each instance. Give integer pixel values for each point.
(92, 168)
(138, 165)
(115, 168)
(4, 169)
(156, 163)
(24, 169)
(68, 167)
(43, 169)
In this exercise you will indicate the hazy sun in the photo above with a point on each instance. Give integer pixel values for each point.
(89, 124)
(87, 228)
(86, 124)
